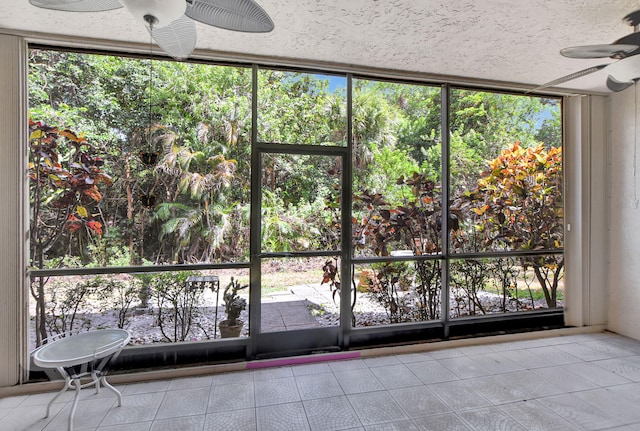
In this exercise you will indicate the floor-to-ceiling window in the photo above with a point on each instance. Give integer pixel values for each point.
(140, 178)
(168, 197)
(397, 203)
(506, 210)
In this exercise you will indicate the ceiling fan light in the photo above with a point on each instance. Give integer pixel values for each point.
(615, 85)
(625, 70)
(164, 11)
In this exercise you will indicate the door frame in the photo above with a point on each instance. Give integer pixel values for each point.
(267, 344)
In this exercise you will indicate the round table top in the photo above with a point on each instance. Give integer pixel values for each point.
(81, 348)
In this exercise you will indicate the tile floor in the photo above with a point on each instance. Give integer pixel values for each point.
(574, 382)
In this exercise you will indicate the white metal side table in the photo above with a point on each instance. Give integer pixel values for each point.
(84, 355)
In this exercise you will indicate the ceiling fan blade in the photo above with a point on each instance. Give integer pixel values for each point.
(570, 77)
(177, 39)
(238, 15)
(632, 19)
(615, 85)
(77, 5)
(617, 50)
(630, 39)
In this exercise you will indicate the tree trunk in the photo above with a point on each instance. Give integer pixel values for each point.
(549, 293)
(41, 326)
(127, 176)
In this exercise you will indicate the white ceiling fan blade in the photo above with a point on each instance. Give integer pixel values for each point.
(77, 5)
(238, 15)
(615, 85)
(570, 77)
(177, 39)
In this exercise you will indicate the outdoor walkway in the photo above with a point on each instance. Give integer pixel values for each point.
(287, 314)
(575, 382)
(293, 309)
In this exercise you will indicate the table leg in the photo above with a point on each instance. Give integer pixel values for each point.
(96, 380)
(78, 385)
(108, 385)
(67, 385)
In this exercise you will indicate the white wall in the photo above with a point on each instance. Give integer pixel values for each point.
(624, 229)
(585, 170)
(13, 295)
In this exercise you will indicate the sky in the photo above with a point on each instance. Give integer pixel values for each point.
(335, 82)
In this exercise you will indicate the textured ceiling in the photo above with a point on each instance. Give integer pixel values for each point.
(502, 40)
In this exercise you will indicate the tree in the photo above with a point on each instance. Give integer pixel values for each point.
(481, 125)
(414, 226)
(298, 108)
(64, 194)
(206, 108)
(180, 152)
(519, 205)
(375, 120)
(178, 304)
(199, 224)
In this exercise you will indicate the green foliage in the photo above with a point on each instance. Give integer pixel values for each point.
(375, 120)
(468, 278)
(196, 121)
(518, 205)
(200, 129)
(482, 124)
(391, 163)
(298, 108)
(65, 300)
(197, 221)
(203, 143)
(415, 227)
(392, 278)
(64, 179)
(295, 227)
(298, 179)
(300, 196)
(550, 129)
(519, 199)
(107, 250)
(177, 303)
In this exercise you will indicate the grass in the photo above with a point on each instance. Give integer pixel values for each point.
(536, 294)
(280, 274)
(281, 281)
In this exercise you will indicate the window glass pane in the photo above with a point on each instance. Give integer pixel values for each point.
(505, 285)
(506, 172)
(164, 173)
(135, 162)
(301, 108)
(300, 202)
(397, 292)
(300, 293)
(162, 307)
(396, 168)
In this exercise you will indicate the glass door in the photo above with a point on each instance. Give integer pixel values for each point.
(300, 250)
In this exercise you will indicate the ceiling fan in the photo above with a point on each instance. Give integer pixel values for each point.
(622, 73)
(171, 22)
